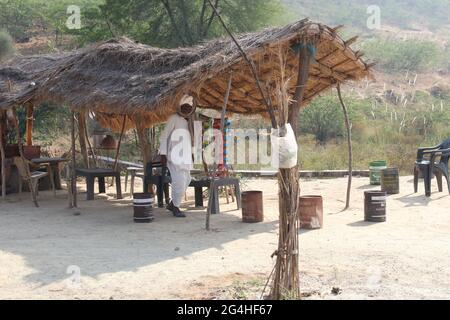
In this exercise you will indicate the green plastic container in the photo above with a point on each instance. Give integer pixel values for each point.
(375, 168)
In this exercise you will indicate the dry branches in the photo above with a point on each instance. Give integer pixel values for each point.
(286, 283)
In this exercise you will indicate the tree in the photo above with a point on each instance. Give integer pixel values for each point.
(16, 16)
(172, 23)
(6, 45)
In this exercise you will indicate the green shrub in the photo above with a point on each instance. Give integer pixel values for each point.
(6, 45)
(323, 118)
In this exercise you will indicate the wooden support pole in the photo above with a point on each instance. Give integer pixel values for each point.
(91, 150)
(144, 144)
(2, 151)
(286, 278)
(25, 161)
(124, 123)
(29, 125)
(302, 80)
(350, 148)
(82, 138)
(73, 182)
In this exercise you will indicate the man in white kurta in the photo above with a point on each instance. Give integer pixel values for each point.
(176, 150)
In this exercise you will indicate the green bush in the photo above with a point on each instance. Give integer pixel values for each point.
(18, 16)
(6, 45)
(323, 118)
(398, 55)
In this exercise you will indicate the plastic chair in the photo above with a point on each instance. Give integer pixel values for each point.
(33, 176)
(432, 161)
(161, 179)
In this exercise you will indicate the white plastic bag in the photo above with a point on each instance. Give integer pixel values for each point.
(284, 149)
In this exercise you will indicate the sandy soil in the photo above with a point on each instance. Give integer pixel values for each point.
(43, 250)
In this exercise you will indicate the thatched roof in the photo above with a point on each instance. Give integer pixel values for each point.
(120, 76)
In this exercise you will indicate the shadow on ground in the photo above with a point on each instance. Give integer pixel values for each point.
(418, 200)
(100, 236)
(362, 223)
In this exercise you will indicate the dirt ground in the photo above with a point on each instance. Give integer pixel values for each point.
(97, 252)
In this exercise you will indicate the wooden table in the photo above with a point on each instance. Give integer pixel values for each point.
(100, 174)
(54, 165)
(199, 184)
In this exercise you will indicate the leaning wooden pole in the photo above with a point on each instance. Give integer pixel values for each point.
(350, 147)
(91, 150)
(73, 182)
(29, 124)
(2, 152)
(82, 137)
(302, 79)
(144, 144)
(25, 161)
(119, 144)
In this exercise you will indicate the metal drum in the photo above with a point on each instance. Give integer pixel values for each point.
(143, 207)
(311, 212)
(375, 206)
(375, 171)
(390, 181)
(252, 207)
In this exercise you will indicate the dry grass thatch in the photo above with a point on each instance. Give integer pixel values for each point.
(123, 77)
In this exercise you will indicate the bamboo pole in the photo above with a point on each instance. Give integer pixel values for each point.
(91, 150)
(303, 74)
(2, 152)
(350, 147)
(29, 125)
(144, 144)
(73, 182)
(120, 142)
(25, 161)
(82, 138)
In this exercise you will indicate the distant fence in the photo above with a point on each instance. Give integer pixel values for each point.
(269, 174)
(325, 174)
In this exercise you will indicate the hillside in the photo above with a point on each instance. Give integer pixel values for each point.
(413, 41)
(402, 14)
